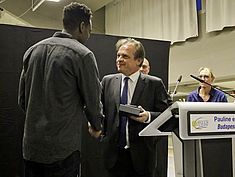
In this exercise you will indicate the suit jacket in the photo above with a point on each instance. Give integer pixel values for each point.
(151, 94)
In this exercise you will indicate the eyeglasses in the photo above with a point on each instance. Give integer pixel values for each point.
(204, 76)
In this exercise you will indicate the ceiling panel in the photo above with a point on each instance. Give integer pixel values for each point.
(48, 14)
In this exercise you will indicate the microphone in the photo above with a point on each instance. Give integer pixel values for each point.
(176, 86)
(198, 79)
(202, 81)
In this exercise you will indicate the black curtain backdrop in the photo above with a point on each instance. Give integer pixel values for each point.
(15, 40)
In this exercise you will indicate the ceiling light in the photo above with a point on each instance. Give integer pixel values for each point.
(35, 6)
(54, 0)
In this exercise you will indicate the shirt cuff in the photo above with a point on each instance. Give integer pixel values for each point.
(149, 118)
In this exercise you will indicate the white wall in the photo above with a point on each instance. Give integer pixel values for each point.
(8, 18)
(215, 50)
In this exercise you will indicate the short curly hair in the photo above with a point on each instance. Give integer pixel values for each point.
(74, 14)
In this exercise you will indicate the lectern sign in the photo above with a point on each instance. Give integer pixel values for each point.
(206, 122)
(197, 120)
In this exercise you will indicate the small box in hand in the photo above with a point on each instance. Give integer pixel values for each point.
(128, 110)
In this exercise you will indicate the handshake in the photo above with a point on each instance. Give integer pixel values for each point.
(94, 133)
(137, 113)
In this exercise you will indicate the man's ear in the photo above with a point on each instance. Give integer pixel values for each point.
(81, 27)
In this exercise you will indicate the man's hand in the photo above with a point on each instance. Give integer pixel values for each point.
(143, 116)
(94, 133)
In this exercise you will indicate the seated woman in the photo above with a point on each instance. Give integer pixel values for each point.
(205, 93)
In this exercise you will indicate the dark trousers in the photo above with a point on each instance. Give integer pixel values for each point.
(69, 167)
(124, 166)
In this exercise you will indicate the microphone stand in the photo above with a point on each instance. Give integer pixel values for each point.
(176, 86)
(202, 81)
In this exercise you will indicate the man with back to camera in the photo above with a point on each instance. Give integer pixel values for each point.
(126, 154)
(59, 86)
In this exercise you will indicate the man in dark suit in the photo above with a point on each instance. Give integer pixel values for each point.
(137, 156)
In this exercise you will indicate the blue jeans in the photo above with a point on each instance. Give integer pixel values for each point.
(69, 167)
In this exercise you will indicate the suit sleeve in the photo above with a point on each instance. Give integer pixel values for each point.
(104, 123)
(162, 100)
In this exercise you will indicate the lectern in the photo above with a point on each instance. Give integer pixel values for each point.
(202, 140)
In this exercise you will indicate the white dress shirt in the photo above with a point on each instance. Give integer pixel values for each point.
(131, 88)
